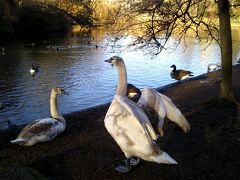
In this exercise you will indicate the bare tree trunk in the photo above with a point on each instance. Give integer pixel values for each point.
(226, 49)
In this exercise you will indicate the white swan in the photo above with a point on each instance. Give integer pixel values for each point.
(157, 106)
(213, 67)
(46, 129)
(130, 127)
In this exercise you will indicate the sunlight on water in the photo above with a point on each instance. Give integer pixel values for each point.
(77, 64)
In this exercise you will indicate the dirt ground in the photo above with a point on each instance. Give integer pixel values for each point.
(86, 150)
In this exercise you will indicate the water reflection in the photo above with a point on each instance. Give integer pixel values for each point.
(74, 62)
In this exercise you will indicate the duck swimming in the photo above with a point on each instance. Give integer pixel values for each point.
(42, 130)
(130, 127)
(34, 69)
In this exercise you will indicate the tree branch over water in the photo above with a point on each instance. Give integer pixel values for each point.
(156, 21)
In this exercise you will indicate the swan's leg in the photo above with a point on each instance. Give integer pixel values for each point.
(125, 167)
(134, 161)
(160, 131)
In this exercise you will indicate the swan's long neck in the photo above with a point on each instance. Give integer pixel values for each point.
(122, 80)
(54, 108)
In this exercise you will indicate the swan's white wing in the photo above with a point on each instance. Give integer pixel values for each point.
(152, 104)
(139, 114)
(157, 106)
(130, 128)
(174, 114)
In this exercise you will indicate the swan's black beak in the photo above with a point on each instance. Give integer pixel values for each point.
(64, 92)
(108, 60)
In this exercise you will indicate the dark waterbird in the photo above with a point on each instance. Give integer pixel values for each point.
(179, 74)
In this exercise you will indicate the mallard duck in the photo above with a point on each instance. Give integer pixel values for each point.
(129, 125)
(42, 130)
(179, 74)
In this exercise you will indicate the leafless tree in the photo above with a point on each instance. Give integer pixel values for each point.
(153, 22)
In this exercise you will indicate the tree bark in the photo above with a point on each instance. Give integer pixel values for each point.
(226, 50)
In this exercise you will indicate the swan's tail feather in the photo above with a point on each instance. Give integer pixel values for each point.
(19, 141)
(164, 158)
(175, 115)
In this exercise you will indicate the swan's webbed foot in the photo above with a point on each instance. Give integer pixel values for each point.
(134, 161)
(124, 167)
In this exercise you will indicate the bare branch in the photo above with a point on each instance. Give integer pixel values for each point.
(155, 21)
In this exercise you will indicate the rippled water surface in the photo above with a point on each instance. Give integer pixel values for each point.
(76, 64)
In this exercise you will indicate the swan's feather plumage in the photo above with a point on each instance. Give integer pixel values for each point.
(213, 67)
(174, 114)
(131, 129)
(158, 106)
(40, 130)
(129, 126)
(153, 106)
(46, 129)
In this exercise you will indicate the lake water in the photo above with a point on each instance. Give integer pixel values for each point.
(76, 64)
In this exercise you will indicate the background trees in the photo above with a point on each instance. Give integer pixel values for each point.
(8, 16)
(226, 49)
(152, 22)
(158, 20)
(44, 15)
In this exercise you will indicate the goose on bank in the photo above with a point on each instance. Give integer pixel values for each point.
(179, 74)
(157, 106)
(130, 127)
(46, 129)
